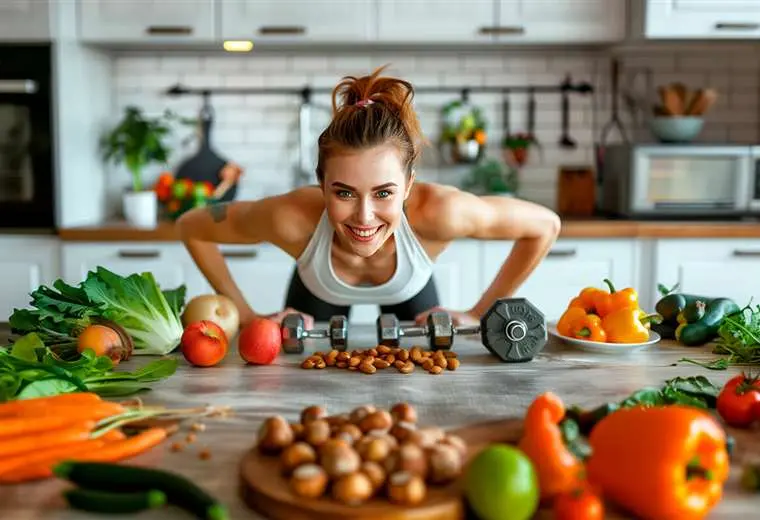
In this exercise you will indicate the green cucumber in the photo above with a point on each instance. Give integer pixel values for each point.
(694, 312)
(665, 330)
(704, 330)
(179, 491)
(95, 501)
(671, 305)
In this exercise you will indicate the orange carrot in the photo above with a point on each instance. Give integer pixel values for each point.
(113, 435)
(111, 452)
(8, 464)
(29, 443)
(94, 410)
(76, 398)
(17, 426)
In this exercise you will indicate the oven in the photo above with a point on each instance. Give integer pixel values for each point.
(27, 190)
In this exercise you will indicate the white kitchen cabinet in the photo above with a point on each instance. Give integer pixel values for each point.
(26, 262)
(297, 20)
(436, 20)
(711, 267)
(696, 19)
(25, 20)
(146, 21)
(570, 266)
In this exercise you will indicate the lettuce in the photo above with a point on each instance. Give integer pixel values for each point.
(151, 316)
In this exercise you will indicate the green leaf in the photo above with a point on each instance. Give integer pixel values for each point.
(716, 364)
(46, 387)
(25, 348)
(118, 388)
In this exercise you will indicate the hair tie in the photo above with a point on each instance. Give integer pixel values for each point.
(364, 102)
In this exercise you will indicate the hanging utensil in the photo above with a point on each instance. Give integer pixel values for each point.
(613, 123)
(505, 114)
(565, 141)
(303, 170)
(532, 121)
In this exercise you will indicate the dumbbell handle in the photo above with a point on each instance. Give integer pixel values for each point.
(466, 329)
(413, 332)
(316, 334)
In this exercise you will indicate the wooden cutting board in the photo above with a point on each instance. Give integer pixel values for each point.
(266, 490)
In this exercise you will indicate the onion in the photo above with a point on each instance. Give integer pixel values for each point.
(213, 307)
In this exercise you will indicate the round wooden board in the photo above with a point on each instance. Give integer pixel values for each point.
(266, 490)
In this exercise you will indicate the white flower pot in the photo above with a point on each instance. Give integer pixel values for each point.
(141, 208)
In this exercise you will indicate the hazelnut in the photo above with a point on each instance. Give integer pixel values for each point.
(402, 431)
(455, 441)
(427, 436)
(274, 435)
(309, 480)
(375, 472)
(316, 432)
(403, 412)
(408, 457)
(374, 449)
(312, 413)
(352, 489)
(296, 455)
(338, 458)
(337, 420)
(444, 464)
(372, 434)
(357, 414)
(297, 430)
(348, 432)
(378, 420)
(406, 488)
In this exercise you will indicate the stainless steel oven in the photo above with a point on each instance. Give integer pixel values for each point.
(27, 191)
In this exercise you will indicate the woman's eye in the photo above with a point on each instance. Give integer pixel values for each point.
(384, 193)
(344, 194)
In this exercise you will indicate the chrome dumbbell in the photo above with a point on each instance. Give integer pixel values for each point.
(294, 333)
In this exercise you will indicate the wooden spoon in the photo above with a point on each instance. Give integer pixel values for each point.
(702, 101)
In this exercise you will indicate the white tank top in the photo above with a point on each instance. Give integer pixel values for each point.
(413, 269)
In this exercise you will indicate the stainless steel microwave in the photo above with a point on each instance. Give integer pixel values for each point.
(661, 181)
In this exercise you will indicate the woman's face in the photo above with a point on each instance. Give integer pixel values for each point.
(364, 197)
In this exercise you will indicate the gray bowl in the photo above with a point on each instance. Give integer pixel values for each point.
(676, 129)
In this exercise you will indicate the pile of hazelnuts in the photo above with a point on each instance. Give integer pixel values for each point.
(366, 453)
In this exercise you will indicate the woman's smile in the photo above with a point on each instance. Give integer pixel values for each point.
(363, 233)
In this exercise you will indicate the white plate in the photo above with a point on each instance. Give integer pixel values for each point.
(603, 348)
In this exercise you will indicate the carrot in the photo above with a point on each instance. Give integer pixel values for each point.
(28, 443)
(76, 398)
(113, 435)
(111, 452)
(8, 464)
(95, 410)
(17, 426)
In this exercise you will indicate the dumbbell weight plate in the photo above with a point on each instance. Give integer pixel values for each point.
(388, 330)
(440, 331)
(339, 332)
(292, 333)
(514, 330)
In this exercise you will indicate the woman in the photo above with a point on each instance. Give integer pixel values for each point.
(368, 233)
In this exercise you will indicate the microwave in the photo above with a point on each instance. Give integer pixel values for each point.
(680, 181)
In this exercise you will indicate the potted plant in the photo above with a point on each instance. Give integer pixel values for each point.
(491, 177)
(137, 142)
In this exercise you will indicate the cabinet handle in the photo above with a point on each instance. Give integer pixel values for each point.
(18, 86)
(139, 254)
(239, 254)
(736, 26)
(515, 29)
(169, 30)
(744, 252)
(282, 29)
(562, 252)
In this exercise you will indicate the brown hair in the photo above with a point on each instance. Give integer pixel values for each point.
(389, 118)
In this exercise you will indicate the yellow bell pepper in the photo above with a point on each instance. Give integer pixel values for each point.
(627, 326)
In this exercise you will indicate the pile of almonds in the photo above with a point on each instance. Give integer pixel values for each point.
(371, 360)
(366, 453)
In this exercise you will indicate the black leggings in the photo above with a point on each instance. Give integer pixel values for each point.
(302, 300)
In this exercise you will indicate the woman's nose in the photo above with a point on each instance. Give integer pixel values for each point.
(366, 211)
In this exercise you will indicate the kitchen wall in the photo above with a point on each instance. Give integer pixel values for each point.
(260, 132)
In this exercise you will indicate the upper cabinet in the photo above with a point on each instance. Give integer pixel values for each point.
(25, 20)
(138, 21)
(436, 20)
(696, 19)
(297, 20)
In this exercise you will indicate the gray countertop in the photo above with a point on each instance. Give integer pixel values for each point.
(481, 389)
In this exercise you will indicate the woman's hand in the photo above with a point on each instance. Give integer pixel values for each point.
(459, 318)
(308, 320)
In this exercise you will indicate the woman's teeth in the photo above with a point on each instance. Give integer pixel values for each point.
(364, 233)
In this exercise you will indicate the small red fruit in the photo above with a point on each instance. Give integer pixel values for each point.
(260, 341)
(739, 401)
(204, 343)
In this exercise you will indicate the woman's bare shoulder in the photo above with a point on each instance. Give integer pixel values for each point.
(297, 213)
(426, 208)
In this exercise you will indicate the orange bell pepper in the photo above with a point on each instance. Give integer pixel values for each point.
(614, 300)
(664, 462)
(626, 326)
(557, 468)
(570, 316)
(589, 328)
(589, 298)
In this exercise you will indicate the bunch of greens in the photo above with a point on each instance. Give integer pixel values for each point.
(739, 337)
(29, 369)
(149, 315)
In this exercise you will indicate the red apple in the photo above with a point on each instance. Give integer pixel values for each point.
(259, 342)
(204, 343)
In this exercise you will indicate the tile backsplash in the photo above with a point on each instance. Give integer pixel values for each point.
(260, 132)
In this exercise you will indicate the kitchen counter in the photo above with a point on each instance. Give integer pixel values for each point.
(481, 389)
(571, 228)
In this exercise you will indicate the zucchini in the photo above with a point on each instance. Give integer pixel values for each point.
(95, 501)
(693, 312)
(179, 491)
(665, 330)
(704, 330)
(671, 305)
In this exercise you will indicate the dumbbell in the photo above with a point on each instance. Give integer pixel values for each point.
(512, 329)
(293, 333)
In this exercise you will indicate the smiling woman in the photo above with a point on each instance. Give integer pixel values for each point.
(368, 232)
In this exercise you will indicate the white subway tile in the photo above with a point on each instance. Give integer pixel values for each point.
(269, 64)
(242, 80)
(345, 65)
(305, 64)
(225, 63)
(184, 64)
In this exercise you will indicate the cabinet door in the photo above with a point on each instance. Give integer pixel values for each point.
(24, 20)
(714, 19)
(711, 267)
(562, 20)
(146, 21)
(297, 20)
(436, 20)
(25, 264)
(570, 266)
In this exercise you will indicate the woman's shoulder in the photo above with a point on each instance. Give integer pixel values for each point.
(428, 209)
(296, 215)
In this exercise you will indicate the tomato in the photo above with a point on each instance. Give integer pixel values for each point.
(739, 401)
(581, 503)
(260, 341)
(204, 343)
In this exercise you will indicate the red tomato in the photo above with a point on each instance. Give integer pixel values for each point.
(580, 503)
(739, 401)
(204, 343)
(260, 341)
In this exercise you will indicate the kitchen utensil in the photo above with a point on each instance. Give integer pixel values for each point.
(505, 114)
(532, 121)
(576, 192)
(206, 164)
(565, 141)
(613, 123)
(604, 348)
(701, 102)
